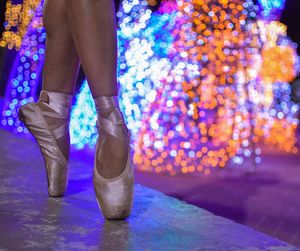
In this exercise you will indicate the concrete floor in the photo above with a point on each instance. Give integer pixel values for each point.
(267, 200)
(30, 220)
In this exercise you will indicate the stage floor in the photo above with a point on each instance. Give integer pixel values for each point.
(30, 220)
(267, 200)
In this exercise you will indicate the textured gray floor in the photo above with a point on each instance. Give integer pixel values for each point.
(267, 200)
(29, 220)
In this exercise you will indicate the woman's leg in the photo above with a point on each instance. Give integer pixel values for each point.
(93, 25)
(54, 104)
(61, 60)
(94, 31)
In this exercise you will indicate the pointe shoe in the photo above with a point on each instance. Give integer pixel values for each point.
(33, 117)
(114, 195)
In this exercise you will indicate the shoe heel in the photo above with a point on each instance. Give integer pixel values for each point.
(22, 111)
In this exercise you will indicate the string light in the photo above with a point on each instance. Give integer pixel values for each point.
(18, 17)
(26, 69)
(271, 9)
(83, 120)
(201, 83)
(215, 104)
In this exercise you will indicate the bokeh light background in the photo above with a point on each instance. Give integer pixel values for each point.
(202, 83)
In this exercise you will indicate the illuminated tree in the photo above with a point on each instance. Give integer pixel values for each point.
(202, 83)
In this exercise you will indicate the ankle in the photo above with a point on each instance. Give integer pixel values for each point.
(57, 101)
(106, 104)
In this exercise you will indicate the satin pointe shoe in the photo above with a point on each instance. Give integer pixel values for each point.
(33, 117)
(114, 195)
